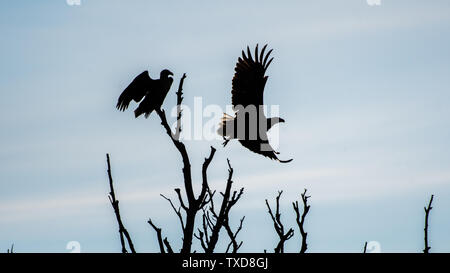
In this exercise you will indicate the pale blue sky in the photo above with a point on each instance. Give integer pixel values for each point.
(364, 90)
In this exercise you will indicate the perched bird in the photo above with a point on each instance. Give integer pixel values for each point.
(153, 91)
(250, 125)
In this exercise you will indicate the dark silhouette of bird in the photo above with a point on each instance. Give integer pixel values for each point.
(250, 125)
(153, 91)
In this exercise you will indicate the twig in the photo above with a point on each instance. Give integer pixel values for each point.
(179, 110)
(301, 220)
(115, 204)
(427, 212)
(177, 211)
(158, 234)
(279, 228)
(233, 236)
(169, 248)
(365, 248)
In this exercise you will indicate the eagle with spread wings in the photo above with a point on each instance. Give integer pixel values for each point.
(250, 125)
(153, 91)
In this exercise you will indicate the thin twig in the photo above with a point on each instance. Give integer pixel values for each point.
(177, 211)
(365, 248)
(427, 212)
(158, 234)
(179, 110)
(115, 204)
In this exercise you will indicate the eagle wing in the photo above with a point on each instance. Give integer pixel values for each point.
(136, 90)
(249, 79)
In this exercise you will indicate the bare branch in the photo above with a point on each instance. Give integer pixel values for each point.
(301, 220)
(179, 110)
(178, 191)
(115, 204)
(169, 248)
(233, 236)
(205, 186)
(177, 211)
(279, 228)
(427, 212)
(193, 204)
(158, 234)
(214, 221)
(200, 238)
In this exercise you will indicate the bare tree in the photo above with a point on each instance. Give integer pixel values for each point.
(301, 219)
(187, 211)
(279, 228)
(427, 212)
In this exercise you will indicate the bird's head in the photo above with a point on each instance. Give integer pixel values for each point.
(166, 73)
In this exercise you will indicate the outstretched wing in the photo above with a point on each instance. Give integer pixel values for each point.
(249, 79)
(256, 146)
(136, 90)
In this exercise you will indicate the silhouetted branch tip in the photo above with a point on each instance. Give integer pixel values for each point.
(177, 211)
(159, 236)
(427, 213)
(115, 204)
(278, 225)
(301, 219)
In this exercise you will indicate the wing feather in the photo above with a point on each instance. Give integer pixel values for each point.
(136, 90)
(249, 79)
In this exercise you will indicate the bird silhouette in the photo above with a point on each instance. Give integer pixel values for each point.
(153, 91)
(250, 125)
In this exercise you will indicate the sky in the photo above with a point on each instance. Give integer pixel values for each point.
(364, 90)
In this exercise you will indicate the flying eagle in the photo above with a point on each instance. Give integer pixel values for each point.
(250, 125)
(154, 91)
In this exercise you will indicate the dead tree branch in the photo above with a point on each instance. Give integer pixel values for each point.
(194, 204)
(214, 221)
(233, 236)
(427, 212)
(159, 235)
(169, 248)
(177, 211)
(115, 204)
(301, 220)
(279, 228)
(179, 110)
